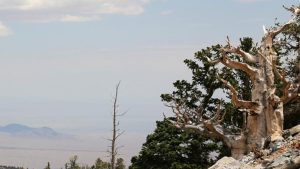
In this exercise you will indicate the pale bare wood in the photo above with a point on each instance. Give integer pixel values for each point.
(222, 119)
(286, 93)
(218, 112)
(247, 56)
(291, 90)
(234, 97)
(265, 30)
(296, 12)
(233, 64)
(281, 77)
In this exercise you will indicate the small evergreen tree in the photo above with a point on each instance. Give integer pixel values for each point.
(72, 164)
(47, 167)
(99, 164)
(120, 164)
(170, 148)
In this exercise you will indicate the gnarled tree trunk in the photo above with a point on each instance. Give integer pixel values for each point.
(263, 114)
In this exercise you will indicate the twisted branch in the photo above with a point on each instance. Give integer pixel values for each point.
(222, 119)
(276, 32)
(291, 90)
(234, 95)
(247, 56)
(234, 64)
(210, 127)
(281, 77)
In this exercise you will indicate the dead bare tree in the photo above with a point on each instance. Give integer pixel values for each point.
(113, 151)
(263, 114)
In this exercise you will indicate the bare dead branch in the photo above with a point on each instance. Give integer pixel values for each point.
(286, 93)
(265, 30)
(290, 92)
(184, 113)
(123, 113)
(222, 119)
(247, 56)
(119, 134)
(228, 42)
(218, 112)
(109, 139)
(214, 61)
(296, 12)
(235, 65)
(292, 95)
(175, 124)
(234, 96)
(281, 77)
(173, 110)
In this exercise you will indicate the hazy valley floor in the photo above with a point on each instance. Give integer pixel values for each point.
(35, 153)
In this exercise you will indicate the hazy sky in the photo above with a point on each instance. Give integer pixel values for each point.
(61, 59)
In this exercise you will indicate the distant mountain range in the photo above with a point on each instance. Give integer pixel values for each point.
(17, 130)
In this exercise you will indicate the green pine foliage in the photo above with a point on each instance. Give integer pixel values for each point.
(99, 164)
(48, 166)
(72, 164)
(170, 148)
(9, 167)
(120, 164)
(173, 148)
(200, 93)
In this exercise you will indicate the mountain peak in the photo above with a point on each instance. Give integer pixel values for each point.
(18, 130)
(14, 128)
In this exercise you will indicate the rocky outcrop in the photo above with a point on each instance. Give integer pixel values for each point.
(230, 163)
(283, 154)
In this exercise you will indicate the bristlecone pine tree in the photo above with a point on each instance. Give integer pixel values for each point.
(262, 115)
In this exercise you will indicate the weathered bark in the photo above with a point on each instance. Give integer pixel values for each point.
(265, 110)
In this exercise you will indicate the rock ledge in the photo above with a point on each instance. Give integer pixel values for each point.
(278, 155)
